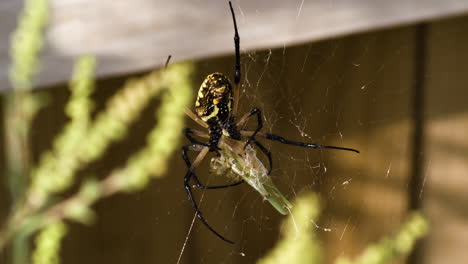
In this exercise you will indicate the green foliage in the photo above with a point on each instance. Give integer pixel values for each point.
(81, 141)
(84, 140)
(56, 168)
(20, 108)
(48, 244)
(162, 140)
(388, 249)
(300, 244)
(27, 41)
(79, 209)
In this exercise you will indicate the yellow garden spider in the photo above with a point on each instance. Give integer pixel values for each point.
(216, 110)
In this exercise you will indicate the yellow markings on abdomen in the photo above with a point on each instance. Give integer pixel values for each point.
(213, 114)
(215, 89)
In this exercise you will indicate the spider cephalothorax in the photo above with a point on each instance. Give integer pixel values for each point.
(215, 98)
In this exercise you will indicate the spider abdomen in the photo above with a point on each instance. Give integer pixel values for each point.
(215, 98)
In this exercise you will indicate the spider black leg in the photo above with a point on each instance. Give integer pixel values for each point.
(198, 184)
(237, 75)
(188, 176)
(267, 153)
(197, 210)
(252, 112)
(301, 144)
(167, 61)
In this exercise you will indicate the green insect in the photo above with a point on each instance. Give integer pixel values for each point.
(236, 157)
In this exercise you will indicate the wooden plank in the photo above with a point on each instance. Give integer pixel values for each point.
(356, 92)
(444, 192)
(129, 36)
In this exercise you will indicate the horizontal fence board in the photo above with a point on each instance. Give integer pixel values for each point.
(129, 36)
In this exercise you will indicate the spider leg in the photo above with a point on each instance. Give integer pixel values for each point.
(237, 74)
(266, 152)
(195, 118)
(246, 117)
(188, 132)
(198, 184)
(197, 210)
(187, 177)
(280, 139)
(258, 113)
(167, 61)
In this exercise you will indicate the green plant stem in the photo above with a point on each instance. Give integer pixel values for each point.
(16, 142)
(18, 116)
(21, 248)
(20, 107)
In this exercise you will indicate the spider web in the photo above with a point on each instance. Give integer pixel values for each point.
(311, 93)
